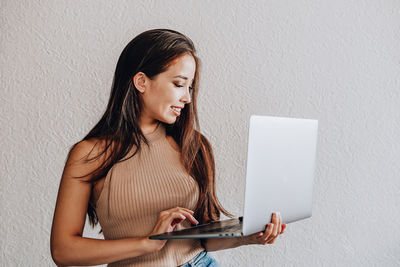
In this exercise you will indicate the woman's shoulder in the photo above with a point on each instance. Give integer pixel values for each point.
(89, 153)
(93, 145)
(87, 147)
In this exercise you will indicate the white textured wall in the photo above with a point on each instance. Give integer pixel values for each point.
(335, 61)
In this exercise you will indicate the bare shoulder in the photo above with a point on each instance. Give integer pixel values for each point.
(85, 149)
(77, 162)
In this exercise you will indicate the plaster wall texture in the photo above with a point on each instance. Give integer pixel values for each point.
(335, 61)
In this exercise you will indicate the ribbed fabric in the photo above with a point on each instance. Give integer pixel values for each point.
(137, 190)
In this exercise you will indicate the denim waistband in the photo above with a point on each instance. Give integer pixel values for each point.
(196, 259)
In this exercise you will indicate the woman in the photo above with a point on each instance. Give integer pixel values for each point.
(145, 168)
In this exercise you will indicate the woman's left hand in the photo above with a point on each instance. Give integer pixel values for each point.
(271, 233)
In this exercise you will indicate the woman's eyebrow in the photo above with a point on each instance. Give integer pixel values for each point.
(183, 77)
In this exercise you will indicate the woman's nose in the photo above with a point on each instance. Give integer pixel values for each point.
(186, 97)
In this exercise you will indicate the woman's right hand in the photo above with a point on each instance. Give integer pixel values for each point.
(166, 222)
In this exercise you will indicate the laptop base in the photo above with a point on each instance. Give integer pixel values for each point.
(219, 229)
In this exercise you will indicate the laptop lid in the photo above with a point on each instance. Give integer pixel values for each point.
(280, 170)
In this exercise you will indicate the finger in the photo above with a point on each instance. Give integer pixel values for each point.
(175, 221)
(268, 232)
(271, 230)
(276, 224)
(185, 209)
(178, 209)
(278, 228)
(175, 218)
(275, 217)
(283, 228)
(271, 238)
(189, 216)
(274, 235)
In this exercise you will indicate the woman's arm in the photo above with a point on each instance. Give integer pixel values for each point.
(81, 251)
(68, 247)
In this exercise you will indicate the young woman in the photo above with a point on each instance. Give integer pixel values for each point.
(145, 168)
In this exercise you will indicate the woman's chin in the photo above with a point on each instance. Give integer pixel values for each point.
(170, 120)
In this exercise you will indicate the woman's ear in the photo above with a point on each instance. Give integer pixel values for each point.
(139, 80)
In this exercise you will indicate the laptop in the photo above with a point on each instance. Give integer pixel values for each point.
(279, 177)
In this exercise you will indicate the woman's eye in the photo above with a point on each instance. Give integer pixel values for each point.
(177, 85)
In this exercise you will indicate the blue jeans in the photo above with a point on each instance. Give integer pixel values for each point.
(203, 259)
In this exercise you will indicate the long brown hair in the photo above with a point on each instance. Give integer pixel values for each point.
(151, 52)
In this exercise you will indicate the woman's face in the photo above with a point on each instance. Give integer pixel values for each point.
(164, 96)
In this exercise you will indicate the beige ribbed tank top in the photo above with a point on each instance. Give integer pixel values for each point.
(137, 190)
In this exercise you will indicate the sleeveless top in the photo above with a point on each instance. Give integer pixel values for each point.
(137, 190)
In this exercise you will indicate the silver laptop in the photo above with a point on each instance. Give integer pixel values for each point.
(279, 177)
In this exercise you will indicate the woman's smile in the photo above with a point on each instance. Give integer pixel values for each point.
(176, 110)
